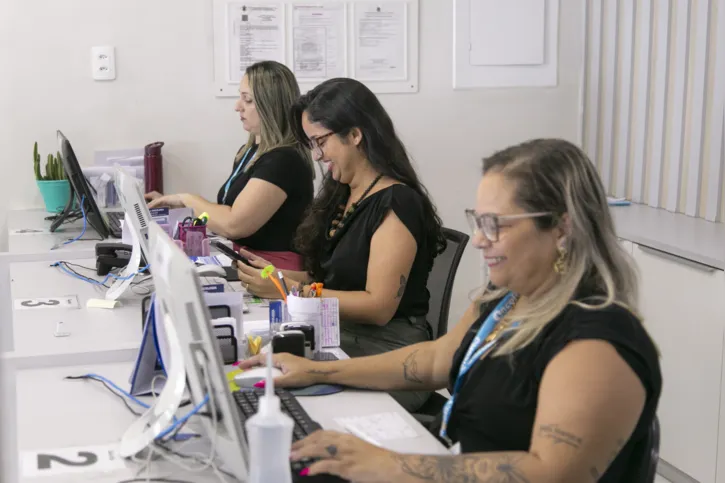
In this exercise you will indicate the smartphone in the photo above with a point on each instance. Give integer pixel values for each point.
(230, 253)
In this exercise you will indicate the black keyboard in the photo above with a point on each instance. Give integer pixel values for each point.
(247, 400)
(324, 356)
(113, 218)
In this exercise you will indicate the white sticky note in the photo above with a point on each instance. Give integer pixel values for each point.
(61, 302)
(380, 426)
(102, 304)
(86, 459)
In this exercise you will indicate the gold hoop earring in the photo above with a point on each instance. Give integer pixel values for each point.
(560, 263)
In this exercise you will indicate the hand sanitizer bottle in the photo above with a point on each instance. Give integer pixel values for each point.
(269, 434)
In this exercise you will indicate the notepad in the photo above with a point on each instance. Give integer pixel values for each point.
(381, 426)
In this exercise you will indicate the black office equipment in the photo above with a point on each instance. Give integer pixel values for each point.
(81, 190)
(113, 255)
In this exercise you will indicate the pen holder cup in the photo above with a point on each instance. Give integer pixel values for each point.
(194, 240)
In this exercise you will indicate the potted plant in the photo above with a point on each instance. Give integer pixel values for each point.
(53, 186)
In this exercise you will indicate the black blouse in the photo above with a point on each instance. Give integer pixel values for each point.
(496, 406)
(345, 257)
(287, 169)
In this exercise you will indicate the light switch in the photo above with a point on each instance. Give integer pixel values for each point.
(103, 63)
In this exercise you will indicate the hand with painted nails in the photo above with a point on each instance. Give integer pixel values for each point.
(345, 456)
(296, 371)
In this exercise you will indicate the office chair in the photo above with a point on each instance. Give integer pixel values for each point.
(441, 278)
(440, 286)
(648, 473)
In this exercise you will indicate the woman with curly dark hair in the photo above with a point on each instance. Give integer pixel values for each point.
(372, 233)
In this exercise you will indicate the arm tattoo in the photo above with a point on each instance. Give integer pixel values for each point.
(401, 289)
(464, 469)
(559, 436)
(594, 472)
(410, 368)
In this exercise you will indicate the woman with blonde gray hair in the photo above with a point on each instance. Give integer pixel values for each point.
(262, 202)
(552, 375)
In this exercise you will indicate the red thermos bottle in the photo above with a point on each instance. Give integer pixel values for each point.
(152, 167)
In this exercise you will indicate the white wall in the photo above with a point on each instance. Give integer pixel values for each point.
(163, 91)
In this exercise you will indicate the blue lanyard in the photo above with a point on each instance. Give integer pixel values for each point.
(234, 175)
(474, 353)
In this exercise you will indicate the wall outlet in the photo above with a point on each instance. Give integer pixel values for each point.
(103, 63)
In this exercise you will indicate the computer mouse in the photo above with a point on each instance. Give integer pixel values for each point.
(249, 377)
(211, 270)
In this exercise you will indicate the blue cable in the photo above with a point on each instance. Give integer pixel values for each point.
(129, 396)
(96, 282)
(85, 224)
(184, 418)
(177, 422)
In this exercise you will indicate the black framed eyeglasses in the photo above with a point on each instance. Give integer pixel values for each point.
(318, 143)
(489, 224)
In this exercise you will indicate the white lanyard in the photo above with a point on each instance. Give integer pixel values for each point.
(234, 175)
(474, 353)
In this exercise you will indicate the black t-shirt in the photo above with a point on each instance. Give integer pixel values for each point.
(345, 257)
(495, 408)
(287, 169)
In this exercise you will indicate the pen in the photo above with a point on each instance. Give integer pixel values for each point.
(357, 433)
(281, 279)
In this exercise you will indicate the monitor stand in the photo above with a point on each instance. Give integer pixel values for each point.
(66, 213)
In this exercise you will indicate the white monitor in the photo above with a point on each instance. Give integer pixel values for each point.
(138, 217)
(180, 297)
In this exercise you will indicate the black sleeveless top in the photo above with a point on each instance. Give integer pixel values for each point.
(345, 257)
(495, 408)
(287, 169)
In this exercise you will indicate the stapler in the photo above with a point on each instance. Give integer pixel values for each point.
(111, 255)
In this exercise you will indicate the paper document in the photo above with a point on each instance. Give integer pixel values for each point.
(318, 40)
(381, 426)
(380, 41)
(255, 34)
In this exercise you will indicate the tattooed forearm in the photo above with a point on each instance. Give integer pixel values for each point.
(559, 436)
(499, 468)
(410, 368)
(401, 289)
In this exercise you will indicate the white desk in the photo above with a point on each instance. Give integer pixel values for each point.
(84, 413)
(97, 335)
(22, 220)
(93, 331)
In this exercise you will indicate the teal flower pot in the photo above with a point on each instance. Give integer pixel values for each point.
(55, 194)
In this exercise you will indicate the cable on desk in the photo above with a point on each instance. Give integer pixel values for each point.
(62, 265)
(114, 389)
(83, 231)
(75, 274)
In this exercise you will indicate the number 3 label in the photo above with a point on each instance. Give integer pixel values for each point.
(64, 302)
(70, 460)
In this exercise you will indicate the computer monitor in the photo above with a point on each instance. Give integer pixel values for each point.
(80, 190)
(138, 217)
(137, 213)
(179, 293)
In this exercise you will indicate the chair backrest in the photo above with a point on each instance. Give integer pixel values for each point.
(652, 452)
(648, 452)
(441, 278)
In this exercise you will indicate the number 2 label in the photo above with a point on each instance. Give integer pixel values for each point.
(70, 460)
